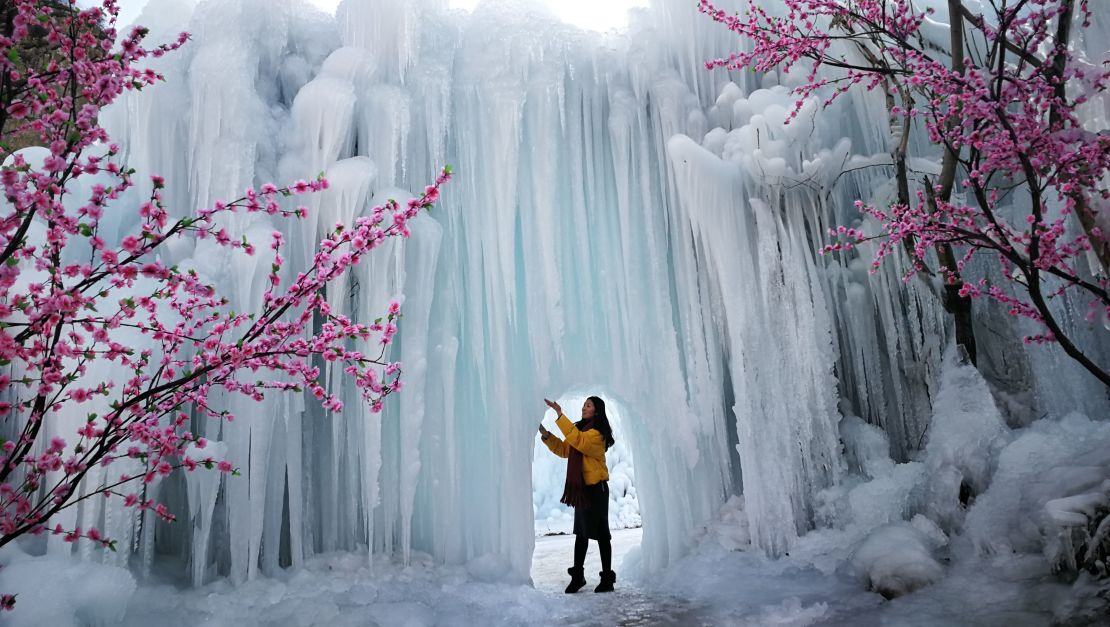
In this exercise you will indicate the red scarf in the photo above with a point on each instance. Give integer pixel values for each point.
(574, 492)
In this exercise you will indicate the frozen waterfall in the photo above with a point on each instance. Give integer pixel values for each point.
(623, 223)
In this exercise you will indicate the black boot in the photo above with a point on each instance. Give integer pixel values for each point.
(577, 580)
(608, 578)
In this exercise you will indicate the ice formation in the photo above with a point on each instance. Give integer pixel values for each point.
(623, 223)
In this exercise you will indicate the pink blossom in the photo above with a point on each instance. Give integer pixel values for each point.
(19, 110)
(1006, 121)
(131, 244)
(74, 322)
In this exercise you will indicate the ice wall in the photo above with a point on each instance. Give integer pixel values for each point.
(623, 223)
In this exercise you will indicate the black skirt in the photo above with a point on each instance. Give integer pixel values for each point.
(593, 521)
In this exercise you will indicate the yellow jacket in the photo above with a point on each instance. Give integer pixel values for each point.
(590, 443)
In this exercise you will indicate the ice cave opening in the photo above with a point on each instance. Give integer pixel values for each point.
(549, 472)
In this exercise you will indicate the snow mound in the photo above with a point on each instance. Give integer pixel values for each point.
(1045, 464)
(897, 559)
(964, 435)
(966, 424)
(61, 591)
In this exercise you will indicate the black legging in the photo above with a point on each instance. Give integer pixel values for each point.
(581, 543)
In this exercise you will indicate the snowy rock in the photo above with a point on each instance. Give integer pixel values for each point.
(1047, 462)
(965, 426)
(898, 559)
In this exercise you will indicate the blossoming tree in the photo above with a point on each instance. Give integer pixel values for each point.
(68, 291)
(1003, 97)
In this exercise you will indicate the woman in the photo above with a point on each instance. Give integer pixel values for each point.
(587, 488)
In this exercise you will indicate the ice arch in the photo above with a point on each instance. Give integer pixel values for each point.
(549, 475)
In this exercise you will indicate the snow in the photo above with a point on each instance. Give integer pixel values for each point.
(63, 591)
(898, 559)
(342, 589)
(965, 425)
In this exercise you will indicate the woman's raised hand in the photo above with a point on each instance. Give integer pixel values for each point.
(544, 433)
(555, 406)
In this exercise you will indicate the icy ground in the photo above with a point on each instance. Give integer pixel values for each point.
(339, 590)
(710, 587)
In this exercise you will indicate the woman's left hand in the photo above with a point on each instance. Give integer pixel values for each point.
(555, 406)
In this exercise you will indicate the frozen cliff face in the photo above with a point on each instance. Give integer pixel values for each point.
(622, 223)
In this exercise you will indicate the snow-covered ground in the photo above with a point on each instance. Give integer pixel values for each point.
(554, 554)
(710, 587)
(341, 589)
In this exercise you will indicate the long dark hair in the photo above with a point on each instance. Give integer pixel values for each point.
(601, 422)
